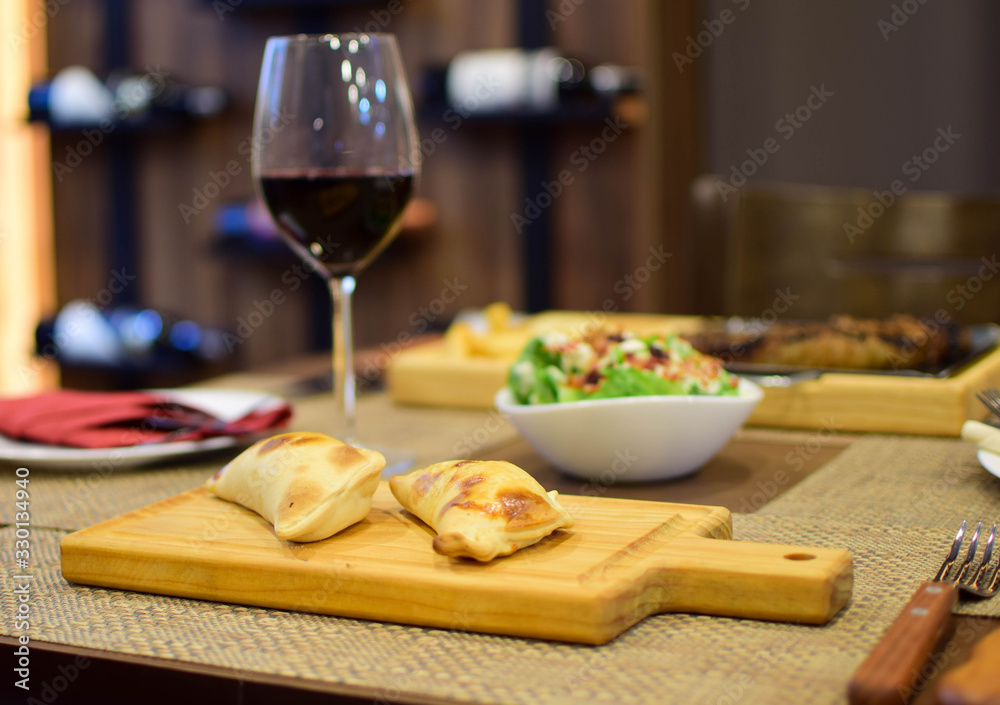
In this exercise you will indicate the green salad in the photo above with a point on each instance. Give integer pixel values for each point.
(602, 365)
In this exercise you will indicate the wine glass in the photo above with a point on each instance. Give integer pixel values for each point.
(334, 157)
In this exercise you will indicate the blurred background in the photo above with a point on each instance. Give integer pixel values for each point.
(751, 157)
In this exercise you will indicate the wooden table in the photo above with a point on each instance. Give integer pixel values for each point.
(746, 477)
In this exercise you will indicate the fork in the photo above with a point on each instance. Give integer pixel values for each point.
(891, 671)
(990, 398)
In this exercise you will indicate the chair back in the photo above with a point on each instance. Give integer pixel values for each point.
(814, 251)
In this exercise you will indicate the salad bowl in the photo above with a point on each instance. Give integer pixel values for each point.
(631, 439)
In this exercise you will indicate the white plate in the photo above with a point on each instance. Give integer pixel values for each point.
(225, 404)
(990, 461)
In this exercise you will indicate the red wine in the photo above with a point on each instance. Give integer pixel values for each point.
(339, 221)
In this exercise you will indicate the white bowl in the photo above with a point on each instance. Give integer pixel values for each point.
(631, 439)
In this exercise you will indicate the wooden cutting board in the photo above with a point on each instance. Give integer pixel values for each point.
(622, 561)
(433, 374)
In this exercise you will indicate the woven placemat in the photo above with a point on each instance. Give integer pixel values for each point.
(901, 482)
(893, 560)
(900, 499)
(666, 658)
(893, 502)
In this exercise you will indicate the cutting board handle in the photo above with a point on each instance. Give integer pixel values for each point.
(751, 580)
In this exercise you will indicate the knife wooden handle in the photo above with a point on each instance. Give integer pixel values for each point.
(891, 671)
(976, 682)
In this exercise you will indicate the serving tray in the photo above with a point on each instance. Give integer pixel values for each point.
(622, 561)
(886, 402)
(982, 339)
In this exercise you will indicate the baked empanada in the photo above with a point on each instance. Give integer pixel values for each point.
(480, 508)
(308, 485)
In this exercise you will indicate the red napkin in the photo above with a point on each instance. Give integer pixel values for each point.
(113, 419)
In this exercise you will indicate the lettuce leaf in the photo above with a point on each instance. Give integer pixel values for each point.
(631, 382)
(537, 376)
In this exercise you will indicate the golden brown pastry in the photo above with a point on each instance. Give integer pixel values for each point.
(310, 486)
(898, 342)
(480, 508)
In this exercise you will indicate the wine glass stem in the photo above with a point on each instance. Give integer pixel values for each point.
(343, 355)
